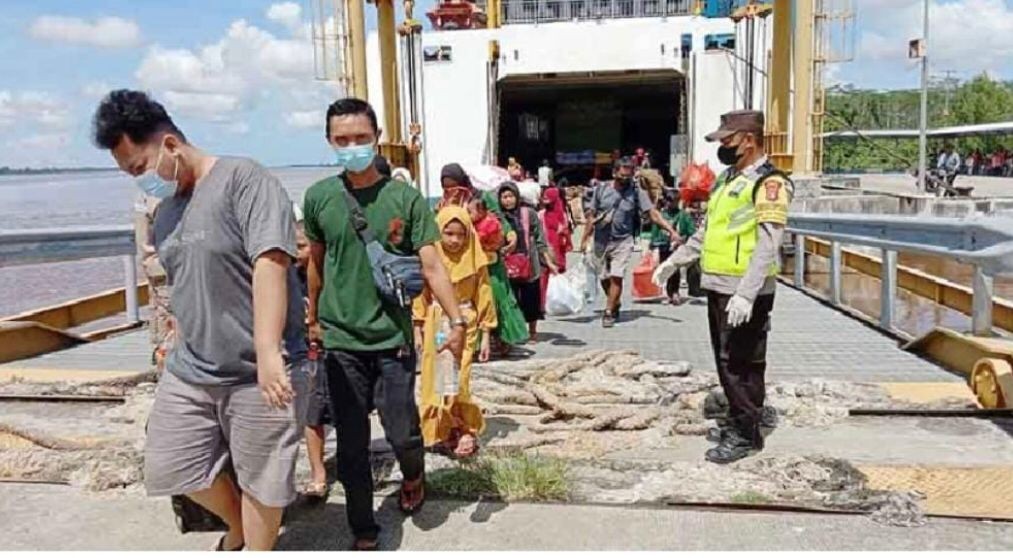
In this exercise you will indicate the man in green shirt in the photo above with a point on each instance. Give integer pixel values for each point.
(370, 361)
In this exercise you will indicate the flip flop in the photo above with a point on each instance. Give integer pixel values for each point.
(220, 546)
(409, 493)
(364, 545)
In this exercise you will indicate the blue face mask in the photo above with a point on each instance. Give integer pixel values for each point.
(156, 186)
(355, 158)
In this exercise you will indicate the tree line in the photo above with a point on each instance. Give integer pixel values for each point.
(979, 100)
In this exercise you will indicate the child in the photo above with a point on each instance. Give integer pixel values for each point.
(318, 408)
(660, 240)
(487, 225)
(451, 421)
(511, 328)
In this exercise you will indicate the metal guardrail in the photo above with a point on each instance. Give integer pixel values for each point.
(544, 11)
(986, 242)
(38, 246)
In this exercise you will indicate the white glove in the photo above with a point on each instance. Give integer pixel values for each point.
(739, 310)
(663, 272)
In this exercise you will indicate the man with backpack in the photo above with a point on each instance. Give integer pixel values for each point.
(372, 243)
(614, 218)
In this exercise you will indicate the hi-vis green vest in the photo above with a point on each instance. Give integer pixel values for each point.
(734, 211)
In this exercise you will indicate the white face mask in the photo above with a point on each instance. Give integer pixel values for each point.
(154, 185)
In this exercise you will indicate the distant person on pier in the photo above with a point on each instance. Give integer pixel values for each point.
(234, 386)
(615, 218)
(528, 258)
(737, 247)
(545, 174)
(160, 324)
(949, 162)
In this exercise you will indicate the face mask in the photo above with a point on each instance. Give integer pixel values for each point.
(729, 155)
(156, 186)
(355, 158)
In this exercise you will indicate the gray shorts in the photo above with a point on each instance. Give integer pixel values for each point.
(194, 430)
(614, 259)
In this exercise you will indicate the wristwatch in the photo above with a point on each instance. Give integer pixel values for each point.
(459, 322)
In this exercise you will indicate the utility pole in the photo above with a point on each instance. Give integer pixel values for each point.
(923, 125)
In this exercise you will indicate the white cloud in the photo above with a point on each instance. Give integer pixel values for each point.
(33, 107)
(213, 107)
(305, 118)
(238, 128)
(967, 36)
(106, 32)
(288, 14)
(42, 141)
(96, 89)
(216, 81)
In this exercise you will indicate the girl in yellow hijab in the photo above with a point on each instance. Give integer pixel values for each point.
(450, 418)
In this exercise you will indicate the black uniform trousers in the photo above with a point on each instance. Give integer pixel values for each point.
(359, 382)
(740, 355)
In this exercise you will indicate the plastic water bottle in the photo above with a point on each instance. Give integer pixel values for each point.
(446, 365)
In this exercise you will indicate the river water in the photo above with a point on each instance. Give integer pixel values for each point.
(82, 199)
(913, 314)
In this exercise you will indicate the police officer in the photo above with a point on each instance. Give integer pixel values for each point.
(738, 251)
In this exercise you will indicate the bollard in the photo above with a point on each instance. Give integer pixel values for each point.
(130, 270)
(981, 305)
(888, 288)
(799, 261)
(835, 273)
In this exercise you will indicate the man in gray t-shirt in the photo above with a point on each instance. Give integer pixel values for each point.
(234, 388)
(208, 242)
(615, 215)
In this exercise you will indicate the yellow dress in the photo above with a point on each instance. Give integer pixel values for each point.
(470, 276)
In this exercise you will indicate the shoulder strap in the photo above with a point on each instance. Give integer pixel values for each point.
(357, 216)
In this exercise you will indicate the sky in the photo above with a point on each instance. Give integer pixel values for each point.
(238, 75)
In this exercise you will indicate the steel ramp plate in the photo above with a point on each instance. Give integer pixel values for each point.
(979, 492)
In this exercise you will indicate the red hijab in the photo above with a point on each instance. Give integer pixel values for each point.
(555, 213)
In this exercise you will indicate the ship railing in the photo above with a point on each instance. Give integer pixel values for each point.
(982, 241)
(39, 246)
(545, 11)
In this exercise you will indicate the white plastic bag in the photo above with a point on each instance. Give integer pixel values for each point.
(590, 280)
(561, 299)
(577, 275)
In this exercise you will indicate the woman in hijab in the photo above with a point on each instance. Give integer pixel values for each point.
(458, 191)
(451, 421)
(525, 257)
(557, 232)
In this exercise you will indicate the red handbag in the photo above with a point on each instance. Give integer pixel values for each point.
(518, 266)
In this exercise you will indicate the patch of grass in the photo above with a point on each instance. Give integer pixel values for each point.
(749, 497)
(508, 477)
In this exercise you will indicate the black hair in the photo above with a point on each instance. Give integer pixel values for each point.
(479, 203)
(132, 114)
(350, 105)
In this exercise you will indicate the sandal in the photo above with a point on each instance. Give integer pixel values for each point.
(316, 490)
(469, 443)
(412, 496)
(364, 545)
(220, 546)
